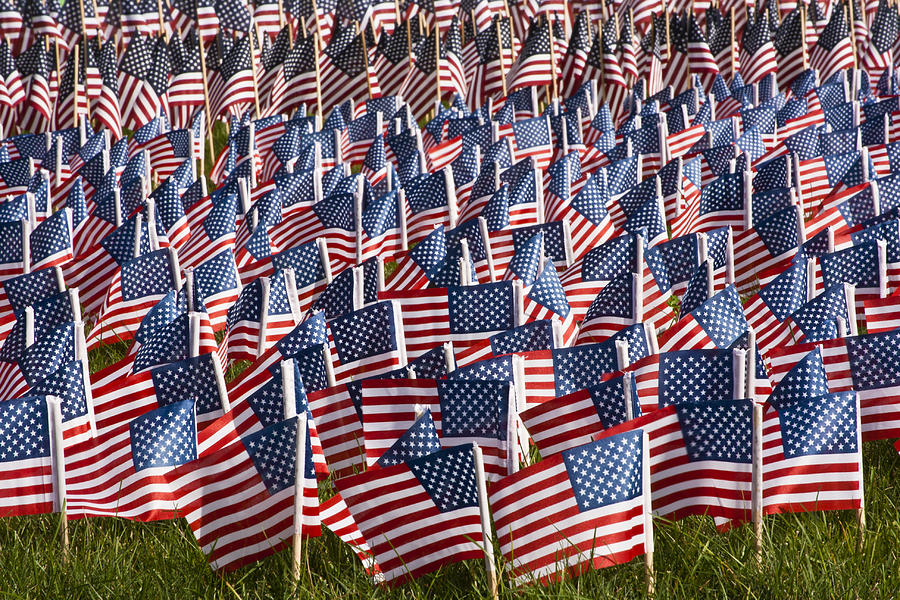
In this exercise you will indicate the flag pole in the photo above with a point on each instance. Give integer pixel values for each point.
(253, 73)
(553, 75)
(649, 571)
(500, 51)
(731, 48)
(319, 39)
(75, 88)
(803, 36)
(59, 472)
(861, 511)
(162, 22)
(362, 36)
(484, 511)
(850, 22)
(756, 487)
(437, 65)
(209, 116)
(318, 75)
(299, 477)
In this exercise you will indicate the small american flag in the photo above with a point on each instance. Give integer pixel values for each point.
(258, 486)
(817, 436)
(434, 521)
(463, 410)
(25, 457)
(565, 515)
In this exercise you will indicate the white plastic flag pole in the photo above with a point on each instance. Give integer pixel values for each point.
(299, 475)
(756, 489)
(486, 533)
(59, 472)
(649, 571)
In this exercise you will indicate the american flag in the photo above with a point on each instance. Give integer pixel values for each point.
(571, 420)
(573, 63)
(300, 75)
(618, 305)
(717, 323)
(816, 320)
(234, 90)
(842, 362)
(368, 341)
(531, 138)
(416, 266)
(199, 377)
(118, 472)
(26, 457)
(217, 285)
(140, 283)
(833, 51)
(253, 480)
(137, 99)
(565, 515)
(812, 454)
(346, 67)
(434, 521)
(461, 314)
(185, 94)
(882, 37)
(34, 66)
(770, 241)
(463, 410)
(769, 309)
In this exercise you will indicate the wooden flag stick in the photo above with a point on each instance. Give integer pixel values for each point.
(733, 57)
(83, 25)
(803, 36)
(362, 36)
(512, 24)
(281, 19)
(162, 22)
(320, 39)
(852, 34)
(649, 543)
(318, 76)
(209, 115)
(487, 535)
(552, 60)
(437, 64)
(861, 511)
(253, 74)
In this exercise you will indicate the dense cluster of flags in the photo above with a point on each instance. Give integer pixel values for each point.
(624, 238)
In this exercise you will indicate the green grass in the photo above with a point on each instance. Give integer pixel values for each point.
(806, 556)
(811, 555)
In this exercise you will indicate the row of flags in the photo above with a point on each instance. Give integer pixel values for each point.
(664, 292)
(225, 56)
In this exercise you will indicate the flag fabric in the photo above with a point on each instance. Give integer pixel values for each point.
(435, 520)
(239, 501)
(26, 464)
(562, 516)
